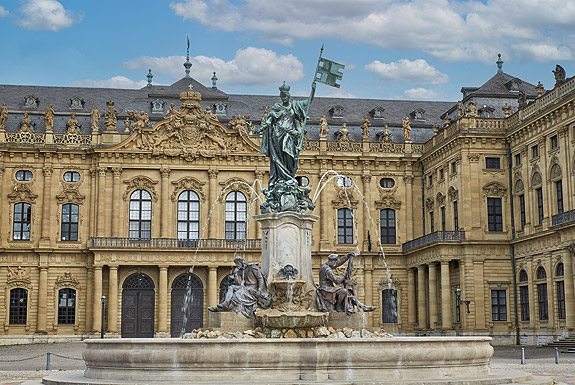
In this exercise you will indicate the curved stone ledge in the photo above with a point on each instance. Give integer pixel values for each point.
(285, 360)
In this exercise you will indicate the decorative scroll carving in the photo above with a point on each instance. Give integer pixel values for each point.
(536, 179)
(67, 280)
(494, 189)
(555, 172)
(237, 184)
(440, 198)
(453, 194)
(70, 196)
(344, 146)
(22, 193)
(387, 147)
(388, 202)
(18, 277)
(429, 204)
(345, 198)
(188, 183)
(190, 132)
(310, 145)
(140, 183)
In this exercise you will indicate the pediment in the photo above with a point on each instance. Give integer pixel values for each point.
(189, 132)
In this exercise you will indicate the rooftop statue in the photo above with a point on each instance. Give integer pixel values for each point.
(248, 291)
(3, 116)
(49, 118)
(338, 298)
(282, 138)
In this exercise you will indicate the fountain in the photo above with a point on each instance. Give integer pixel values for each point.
(283, 296)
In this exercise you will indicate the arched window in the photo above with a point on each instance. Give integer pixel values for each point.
(66, 306)
(72, 176)
(541, 274)
(24, 175)
(542, 294)
(560, 272)
(387, 222)
(69, 222)
(524, 295)
(140, 215)
(22, 217)
(236, 213)
(138, 281)
(188, 215)
(224, 285)
(344, 226)
(389, 306)
(523, 276)
(18, 306)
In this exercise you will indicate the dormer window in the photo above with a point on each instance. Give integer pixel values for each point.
(76, 103)
(158, 106)
(337, 112)
(514, 85)
(377, 112)
(486, 112)
(31, 101)
(418, 114)
(220, 108)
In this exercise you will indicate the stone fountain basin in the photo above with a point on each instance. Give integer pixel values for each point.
(259, 361)
(289, 320)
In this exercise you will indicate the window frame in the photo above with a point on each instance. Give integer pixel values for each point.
(18, 312)
(494, 214)
(74, 176)
(388, 299)
(522, 217)
(388, 231)
(24, 212)
(524, 302)
(535, 151)
(492, 161)
(559, 195)
(498, 309)
(539, 197)
(455, 216)
(27, 175)
(67, 313)
(139, 206)
(554, 142)
(191, 210)
(233, 221)
(67, 226)
(345, 226)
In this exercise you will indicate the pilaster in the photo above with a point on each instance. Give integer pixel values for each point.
(433, 316)
(163, 306)
(113, 300)
(421, 298)
(446, 323)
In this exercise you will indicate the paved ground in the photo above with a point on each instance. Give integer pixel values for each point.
(24, 362)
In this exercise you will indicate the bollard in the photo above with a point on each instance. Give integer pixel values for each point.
(48, 361)
(557, 356)
(522, 356)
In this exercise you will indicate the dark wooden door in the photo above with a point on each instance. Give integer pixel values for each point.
(138, 313)
(194, 311)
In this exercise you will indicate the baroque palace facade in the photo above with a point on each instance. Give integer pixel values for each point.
(464, 213)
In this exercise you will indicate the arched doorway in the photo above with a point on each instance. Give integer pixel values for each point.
(194, 314)
(138, 301)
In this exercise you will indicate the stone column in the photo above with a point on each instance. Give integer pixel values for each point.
(479, 294)
(368, 272)
(421, 300)
(433, 316)
(89, 297)
(163, 308)
(116, 199)
(42, 298)
(213, 195)
(446, 314)
(101, 207)
(531, 291)
(165, 200)
(113, 300)
(569, 295)
(366, 179)
(411, 298)
(551, 291)
(409, 221)
(212, 285)
(46, 204)
(97, 304)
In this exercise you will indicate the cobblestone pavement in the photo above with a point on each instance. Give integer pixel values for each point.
(18, 366)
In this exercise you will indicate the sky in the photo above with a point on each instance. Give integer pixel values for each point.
(392, 49)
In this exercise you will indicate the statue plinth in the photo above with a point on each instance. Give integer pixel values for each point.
(286, 240)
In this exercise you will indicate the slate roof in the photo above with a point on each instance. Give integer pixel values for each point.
(497, 86)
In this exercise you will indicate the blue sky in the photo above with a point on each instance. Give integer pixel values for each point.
(408, 49)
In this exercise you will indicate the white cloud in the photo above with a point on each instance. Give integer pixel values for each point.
(3, 11)
(421, 94)
(113, 82)
(250, 66)
(417, 72)
(464, 30)
(47, 15)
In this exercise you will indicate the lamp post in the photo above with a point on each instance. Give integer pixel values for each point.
(458, 304)
(103, 311)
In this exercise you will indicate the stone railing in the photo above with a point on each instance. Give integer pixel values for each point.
(23, 137)
(438, 236)
(486, 123)
(562, 218)
(173, 243)
(73, 139)
(344, 146)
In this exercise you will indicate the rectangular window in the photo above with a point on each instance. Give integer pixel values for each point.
(553, 140)
(430, 180)
(561, 299)
(522, 210)
(494, 214)
(21, 223)
(442, 218)
(498, 305)
(524, 301)
(539, 193)
(453, 167)
(431, 224)
(441, 174)
(542, 301)
(455, 217)
(66, 306)
(18, 306)
(492, 163)
(344, 226)
(387, 220)
(389, 306)
(559, 190)
(518, 159)
(69, 230)
(535, 151)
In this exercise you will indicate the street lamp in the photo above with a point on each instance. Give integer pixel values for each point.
(459, 301)
(103, 310)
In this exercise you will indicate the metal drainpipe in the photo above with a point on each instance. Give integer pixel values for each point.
(423, 195)
(512, 247)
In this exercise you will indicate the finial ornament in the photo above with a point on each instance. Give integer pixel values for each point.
(187, 64)
(499, 63)
(284, 88)
(214, 80)
(149, 76)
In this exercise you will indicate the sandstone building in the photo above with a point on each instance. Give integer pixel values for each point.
(464, 213)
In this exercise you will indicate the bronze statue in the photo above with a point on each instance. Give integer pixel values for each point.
(338, 298)
(248, 291)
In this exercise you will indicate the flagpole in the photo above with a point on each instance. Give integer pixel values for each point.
(307, 108)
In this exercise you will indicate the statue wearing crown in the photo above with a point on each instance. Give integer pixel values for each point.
(282, 137)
